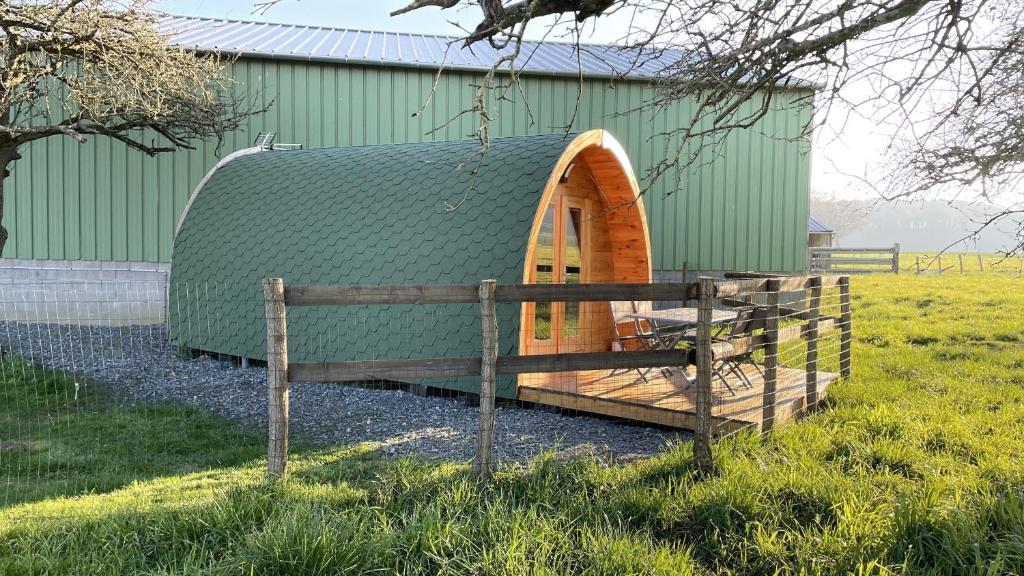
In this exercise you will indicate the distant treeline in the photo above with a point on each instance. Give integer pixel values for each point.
(923, 226)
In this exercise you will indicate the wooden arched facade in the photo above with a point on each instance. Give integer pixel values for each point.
(590, 227)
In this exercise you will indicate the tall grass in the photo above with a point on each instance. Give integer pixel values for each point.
(913, 467)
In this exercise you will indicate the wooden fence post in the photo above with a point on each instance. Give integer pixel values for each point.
(896, 258)
(488, 368)
(961, 258)
(686, 273)
(939, 259)
(771, 354)
(981, 263)
(846, 327)
(702, 456)
(811, 365)
(917, 263)
(277, 377)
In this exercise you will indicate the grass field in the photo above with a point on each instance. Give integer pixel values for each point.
(913, 467)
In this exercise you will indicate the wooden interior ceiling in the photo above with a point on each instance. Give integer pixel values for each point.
(623, 213)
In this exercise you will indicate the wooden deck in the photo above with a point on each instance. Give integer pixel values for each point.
(668, 398)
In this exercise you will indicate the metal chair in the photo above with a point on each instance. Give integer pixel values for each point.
(631, 333)
(742, 326)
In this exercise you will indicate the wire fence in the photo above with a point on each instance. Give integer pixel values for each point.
(618, 350)
(779, 356)
(109, 383)
(962, 263)
(72, 354)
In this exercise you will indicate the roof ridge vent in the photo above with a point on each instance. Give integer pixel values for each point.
(265, 141)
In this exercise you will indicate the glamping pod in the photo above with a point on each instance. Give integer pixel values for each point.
(532, 209)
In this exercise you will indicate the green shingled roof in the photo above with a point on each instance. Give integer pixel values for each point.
(358, 215)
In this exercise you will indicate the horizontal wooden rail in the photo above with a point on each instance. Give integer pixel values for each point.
(467, 294)
(855, 271)
(759, 313)
(743, 287)
(512, 293)
(592, 361)
(658, 292)
(738, 287)
(865, 261)
(425, 368)
(355, 370)
(749, 274)
(829, 250)
(356, 295)
(725, 349)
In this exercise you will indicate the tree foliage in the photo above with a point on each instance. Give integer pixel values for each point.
(75, 68)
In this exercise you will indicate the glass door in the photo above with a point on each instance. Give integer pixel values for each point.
(560, 257)
(573, 329)
(544, 271)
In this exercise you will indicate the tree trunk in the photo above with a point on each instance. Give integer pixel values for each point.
(7, 156)
(4, 161)
(3, 230)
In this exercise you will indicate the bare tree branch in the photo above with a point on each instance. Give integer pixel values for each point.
(76, 68)
(945, 74)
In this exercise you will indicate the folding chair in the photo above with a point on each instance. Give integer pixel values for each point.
(632, 333)
(742, 326)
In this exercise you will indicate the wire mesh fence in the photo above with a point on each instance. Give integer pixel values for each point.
(962, 263)
(59, 341)
(109, 383)
(779, 355)
(623, 351)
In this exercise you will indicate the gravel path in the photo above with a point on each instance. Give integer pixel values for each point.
(141, 366)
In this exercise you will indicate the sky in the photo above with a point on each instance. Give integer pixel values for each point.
(838, 165)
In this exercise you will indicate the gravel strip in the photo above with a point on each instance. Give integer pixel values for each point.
(141, 366)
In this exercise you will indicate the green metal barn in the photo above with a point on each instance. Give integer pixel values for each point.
(101, 202)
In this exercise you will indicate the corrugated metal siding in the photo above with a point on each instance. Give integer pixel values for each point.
(746, 209)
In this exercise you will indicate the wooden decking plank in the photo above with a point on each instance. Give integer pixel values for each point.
(669, 401)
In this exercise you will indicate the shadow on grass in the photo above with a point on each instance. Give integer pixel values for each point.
(65, 436)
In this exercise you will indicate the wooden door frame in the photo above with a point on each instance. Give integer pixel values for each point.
(565, 343)
(549, 346)
(613, 174)
(559, 342)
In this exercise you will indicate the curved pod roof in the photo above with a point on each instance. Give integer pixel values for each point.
(429, 213)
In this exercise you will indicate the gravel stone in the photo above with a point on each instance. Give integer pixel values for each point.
(141, 366)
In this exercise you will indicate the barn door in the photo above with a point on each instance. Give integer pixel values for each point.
(560, 257)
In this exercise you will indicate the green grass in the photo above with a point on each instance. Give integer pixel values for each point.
(57, 445)
(913, 467)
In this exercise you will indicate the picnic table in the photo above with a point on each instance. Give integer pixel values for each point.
(672, 325)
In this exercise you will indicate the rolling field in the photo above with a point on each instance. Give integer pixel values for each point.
(913, 466)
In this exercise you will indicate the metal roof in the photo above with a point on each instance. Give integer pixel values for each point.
(815, 225)
(268, 40)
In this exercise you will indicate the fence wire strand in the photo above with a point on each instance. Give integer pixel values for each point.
(92, 371)
(740, 382)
